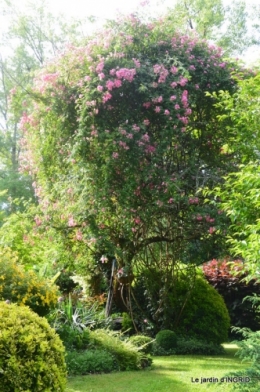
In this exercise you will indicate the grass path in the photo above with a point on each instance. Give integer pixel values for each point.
(168, 374)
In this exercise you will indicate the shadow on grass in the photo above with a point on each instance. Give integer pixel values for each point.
(167, 374)
(142, 381)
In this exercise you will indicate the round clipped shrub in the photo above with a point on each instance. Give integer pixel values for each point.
(166, 339)
(144, 343)
(205, 315)
(31, 353)
(25, 287)
(194, 308)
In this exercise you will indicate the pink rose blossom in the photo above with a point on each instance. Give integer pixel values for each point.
(183, 81)
(174, 69)
(174, 84)
(101, 75)
(117, 83)
(106, 97)
(109, 84)
(146, 137)
(150, 149)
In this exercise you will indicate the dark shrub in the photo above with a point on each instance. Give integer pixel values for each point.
(194, 346)
(74, 339)
(233, 288)
(205, 315)
(166, 339)
(195, 308)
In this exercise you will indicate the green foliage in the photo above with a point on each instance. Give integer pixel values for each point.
(240, 193)
(127, 323)
(226, 24)
(72, 321)
(205, 315)
(89, 362)
(126, 355)
(193, 346)
(77, 315)
(194, 307)
(188, 346)
(74, 339)
(33, 35)
(158, 351)
(31, 353)
(166, 339)
(249, 351)
(25, 287)
(230, 279)
(144, 343)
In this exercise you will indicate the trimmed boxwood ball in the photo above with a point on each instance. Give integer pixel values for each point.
(194, 308)
(166, 339)
(31, 353)
(205, 315)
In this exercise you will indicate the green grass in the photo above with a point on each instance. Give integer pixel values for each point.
(167, 374)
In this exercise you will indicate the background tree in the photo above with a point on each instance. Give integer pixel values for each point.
(234, 27)
(240, 195)
(31, 39)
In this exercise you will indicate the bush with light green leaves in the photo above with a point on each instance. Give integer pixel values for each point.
(31, 353)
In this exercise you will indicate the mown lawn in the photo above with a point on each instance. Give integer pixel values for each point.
(167, 374)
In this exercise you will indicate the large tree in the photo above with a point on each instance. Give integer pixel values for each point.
(122, 135)
(121, 138)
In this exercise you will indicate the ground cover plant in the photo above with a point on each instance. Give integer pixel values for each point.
(166, 374)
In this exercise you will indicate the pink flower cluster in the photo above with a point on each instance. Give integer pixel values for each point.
(162, 71)
(126, 74)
